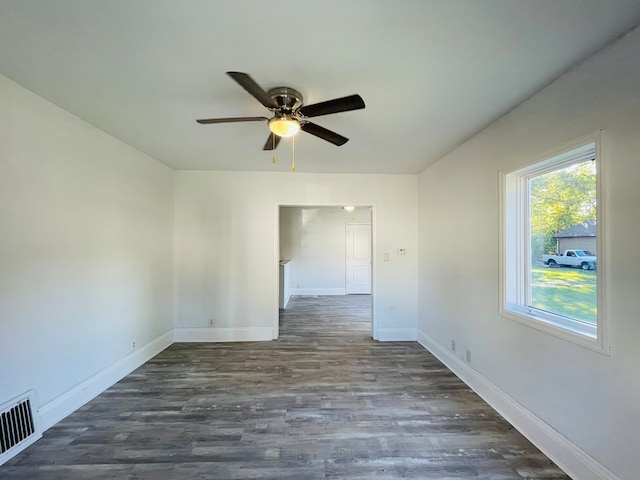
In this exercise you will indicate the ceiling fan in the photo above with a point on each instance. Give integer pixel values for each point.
(289, 113)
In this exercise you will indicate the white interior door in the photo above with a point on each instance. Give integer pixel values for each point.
(358, 258)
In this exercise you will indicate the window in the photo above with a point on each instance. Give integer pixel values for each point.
(549, 206)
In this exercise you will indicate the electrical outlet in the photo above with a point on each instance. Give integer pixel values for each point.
(133, 345)
(468, 356)
(211, 322)
(453, 345)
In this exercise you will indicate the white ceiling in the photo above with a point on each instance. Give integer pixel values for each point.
(432, 72)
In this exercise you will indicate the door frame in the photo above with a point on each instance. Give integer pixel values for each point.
(276, 261)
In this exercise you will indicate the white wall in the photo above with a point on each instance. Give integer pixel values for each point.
(85, 252)
(314, 239)
(227, 253)
(592, 400)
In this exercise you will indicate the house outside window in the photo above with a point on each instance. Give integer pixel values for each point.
(581, 236)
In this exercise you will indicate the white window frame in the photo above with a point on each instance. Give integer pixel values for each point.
(515, 247)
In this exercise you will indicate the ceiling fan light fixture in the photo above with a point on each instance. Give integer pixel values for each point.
(284, 126)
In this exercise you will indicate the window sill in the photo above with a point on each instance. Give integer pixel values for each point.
(583, 337)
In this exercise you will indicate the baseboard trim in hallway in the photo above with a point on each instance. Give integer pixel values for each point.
(397, 334)
(214, 334)
(563, 452)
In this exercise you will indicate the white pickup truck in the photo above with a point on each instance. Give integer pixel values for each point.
(572, 258)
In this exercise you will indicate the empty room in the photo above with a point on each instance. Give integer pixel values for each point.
(306, 240)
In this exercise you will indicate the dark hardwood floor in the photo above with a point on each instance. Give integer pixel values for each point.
(324, 401)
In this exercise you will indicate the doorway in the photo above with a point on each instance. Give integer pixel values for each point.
(325, 251)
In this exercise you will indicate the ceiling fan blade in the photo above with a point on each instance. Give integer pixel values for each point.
(324, 134)
(344, 104)
(272, 142)
(231, 120)
(253, 88)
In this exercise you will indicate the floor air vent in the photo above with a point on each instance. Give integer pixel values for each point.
(18, 426)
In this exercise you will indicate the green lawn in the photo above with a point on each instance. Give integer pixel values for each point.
(566, 291)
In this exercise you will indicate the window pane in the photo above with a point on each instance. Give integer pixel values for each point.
(562, 217)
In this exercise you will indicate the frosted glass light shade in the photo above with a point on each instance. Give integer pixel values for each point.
(284, 127)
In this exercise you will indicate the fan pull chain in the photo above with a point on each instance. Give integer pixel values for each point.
(273, 144)
(293, 153)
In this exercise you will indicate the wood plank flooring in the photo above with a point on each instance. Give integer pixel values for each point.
(322, 402)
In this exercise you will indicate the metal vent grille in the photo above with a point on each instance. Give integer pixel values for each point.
(18, 427)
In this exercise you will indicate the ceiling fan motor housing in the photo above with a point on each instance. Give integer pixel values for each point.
(287, 99)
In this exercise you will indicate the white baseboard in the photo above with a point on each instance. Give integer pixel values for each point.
(573, 460)
(52, 412)
(242, 334)
(318, 291)
(396, 334)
